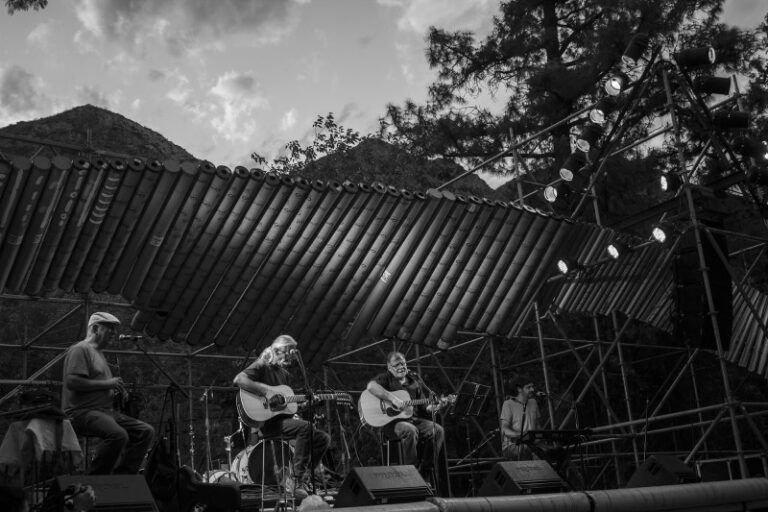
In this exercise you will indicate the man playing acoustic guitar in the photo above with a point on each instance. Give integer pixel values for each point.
(411, 426)
(261, 378)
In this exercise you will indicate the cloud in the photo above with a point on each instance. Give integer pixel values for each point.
(184, 26)
(181, 92)
(237, 102)
(156, 75)
(88, 94)
(40, 35)
(745, 14)
(418, 15)
(21, 95)
(288, 120)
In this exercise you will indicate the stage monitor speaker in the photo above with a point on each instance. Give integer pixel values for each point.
(511, 478)
(379, 485)
(662, 470)
(126, 493)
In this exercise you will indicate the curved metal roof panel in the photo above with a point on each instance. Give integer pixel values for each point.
(234, 257)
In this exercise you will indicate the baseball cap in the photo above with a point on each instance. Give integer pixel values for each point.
(102, 318)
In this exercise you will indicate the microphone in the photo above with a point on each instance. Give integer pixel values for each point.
(130, 337)
(293, 352)
(541, 394)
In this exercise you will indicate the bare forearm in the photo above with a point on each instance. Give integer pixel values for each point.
(243, 382)
(379, 392)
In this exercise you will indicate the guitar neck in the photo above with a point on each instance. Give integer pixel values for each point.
(420, 401)
(303, 398)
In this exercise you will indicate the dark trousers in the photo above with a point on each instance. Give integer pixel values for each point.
(289, 428)
(121, 435)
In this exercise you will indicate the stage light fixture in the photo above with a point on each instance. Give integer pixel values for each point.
(616, 83)
(566, 265)
(696, 57)
(712, 85)
(659, 234)
(752, 148)
(602, 109)
(572, 165)
(635, 49)
(554, 192)
(617, 249)
(550, 194)
(590, 132)
(669, 182)
(731, 120)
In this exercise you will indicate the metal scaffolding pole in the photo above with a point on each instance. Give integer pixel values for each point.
(605, 391)
(625, 386)
(704, 274)
(591, 380)
(544, 370)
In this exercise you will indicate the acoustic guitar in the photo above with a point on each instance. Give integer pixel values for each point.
(279, 400)
(377, 413)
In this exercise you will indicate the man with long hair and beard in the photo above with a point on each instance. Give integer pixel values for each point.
(271, 369)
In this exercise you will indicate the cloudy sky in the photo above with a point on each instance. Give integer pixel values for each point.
(225, 78)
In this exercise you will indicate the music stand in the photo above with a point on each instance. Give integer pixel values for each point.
(470, 399)
(469, 402)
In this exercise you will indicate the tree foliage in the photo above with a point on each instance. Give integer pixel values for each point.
(543, 61)
(330, 138)
(25, 5)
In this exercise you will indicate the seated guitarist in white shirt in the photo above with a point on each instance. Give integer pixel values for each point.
(416, 428)
(270, 369)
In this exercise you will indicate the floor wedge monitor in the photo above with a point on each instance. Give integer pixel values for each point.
(379, 485)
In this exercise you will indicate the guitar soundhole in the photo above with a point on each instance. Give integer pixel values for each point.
(277, 402)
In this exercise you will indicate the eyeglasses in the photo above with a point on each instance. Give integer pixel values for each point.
(399, 364)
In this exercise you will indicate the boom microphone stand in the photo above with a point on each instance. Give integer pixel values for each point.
(469, 402)
(435, 450)
(173, 386)
(310, 406)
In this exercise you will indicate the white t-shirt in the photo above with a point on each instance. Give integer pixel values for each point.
(512, 417)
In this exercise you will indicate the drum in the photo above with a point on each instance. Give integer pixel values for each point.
(246, 467)
(217, 476)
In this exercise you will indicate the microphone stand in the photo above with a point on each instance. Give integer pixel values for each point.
(433, 412)
(172, 387)
(205, 398)
(522, 429)
(310, 406)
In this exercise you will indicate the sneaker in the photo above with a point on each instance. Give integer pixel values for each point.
(296, 489)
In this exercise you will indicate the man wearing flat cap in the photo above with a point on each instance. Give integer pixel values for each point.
(87, 398)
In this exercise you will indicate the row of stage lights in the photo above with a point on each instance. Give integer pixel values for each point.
(573, 174)
(614, 251)
(660, 233)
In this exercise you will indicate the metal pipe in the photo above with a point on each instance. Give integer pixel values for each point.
(543, 353)
(604, 379)
(625, 385)
(130, 352)
(515, 146)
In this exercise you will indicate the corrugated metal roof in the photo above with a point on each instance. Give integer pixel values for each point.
(639, 284)
(234, 257)
(748, 341)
